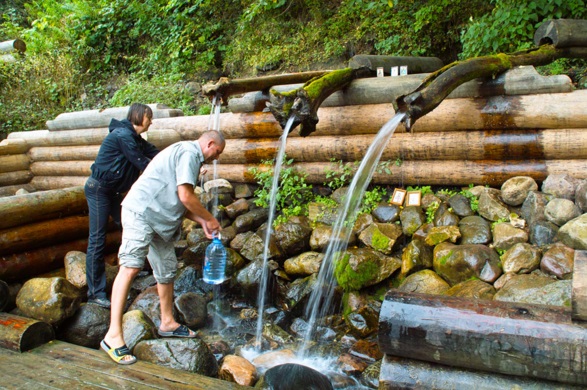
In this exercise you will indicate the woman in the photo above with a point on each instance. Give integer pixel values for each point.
(123, 155)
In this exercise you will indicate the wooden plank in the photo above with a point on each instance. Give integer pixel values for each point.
(579, 292)
(63, 365)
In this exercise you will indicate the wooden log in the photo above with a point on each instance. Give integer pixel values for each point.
(25, 265)
(522, 80)
(409, 374)
(13, 146)
(15, 177)
(24, 209)
(15, 44)
(21, 334)
(579, 291)
(14, 162)
(102, 118)
(11, 190)
(62, 168)
(481, 145)
(562, 33)
(509, 338)
(162, 138)
(61, 138)
(63, 153)
(414, 64)
(545, 111)
(45, 233)
(4, 295)
(430, 172)
(48, 183)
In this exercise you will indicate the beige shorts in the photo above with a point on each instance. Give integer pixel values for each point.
(140, 242)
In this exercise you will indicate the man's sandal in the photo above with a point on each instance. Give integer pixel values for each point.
(118, 354)
(180, 331)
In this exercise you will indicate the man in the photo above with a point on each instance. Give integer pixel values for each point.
(152, 213)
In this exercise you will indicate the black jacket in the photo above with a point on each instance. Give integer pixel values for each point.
(124, 154)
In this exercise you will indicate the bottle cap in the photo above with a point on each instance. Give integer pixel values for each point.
(216, 234)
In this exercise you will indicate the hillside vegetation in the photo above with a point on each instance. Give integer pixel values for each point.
(84, 54)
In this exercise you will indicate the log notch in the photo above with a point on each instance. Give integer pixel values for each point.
(441, 83)
(504, 337)
(25, 265)
(23, 209)
(579, 292)
(414, 64)
(562, 33)
(305, 101)
(408, 374)
(22, 334)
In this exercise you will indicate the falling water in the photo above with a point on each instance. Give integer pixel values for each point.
(319, 303)
(272, 205)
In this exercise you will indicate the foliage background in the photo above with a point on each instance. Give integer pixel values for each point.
(84, 54)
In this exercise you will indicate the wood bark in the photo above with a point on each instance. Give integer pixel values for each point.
(38, 206)
(579, 291)
(409, 374)
(14, 162)
(15, 177)
(13, 146)
(562, 33)
(21, 334)
(61, 138)
(376, 90)
(25, 265)
(45, 233)
(470, 145)
(440, 84)
(47, 183)
(414, 64)
(431, 172)
(63, 153)
(546, 111)
(480, 335)
(15, 44)
(62, 168)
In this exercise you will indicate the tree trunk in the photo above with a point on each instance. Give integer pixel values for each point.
(562, 33)
(47, 183)
(479, 335)
(440, 84)
(24, 209)
(62, 168)
(430, 172)
(25, 265)
(414, 64)
(579, 294)
(14, 162)
(21, 334)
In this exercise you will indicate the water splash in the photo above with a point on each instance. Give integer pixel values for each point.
(272, 205)
(214, 118)
(320, 300)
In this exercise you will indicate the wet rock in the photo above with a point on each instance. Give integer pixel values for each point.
(458, 263)
(239, 241)
(505, 235)
(412, 217)
(339, 194)
(503, 279)
(254, 247)
(322, 213)
(559, 261)
(194, 255)
(186, 280)
(243, 190)
(381, 237)
(192, 309)
(536, 290)
(191, 355)
(515, 190)
(51, 300)
(560, 211)
(291, 376)
(238, 370)
(475, 230)
(237, 208)
(75, 268)
(574, 233)
(533, 207)
(322, 234)
(364, 321)
(428, 200)
(219, 186)
(211, 201)
(473, 289)
(87, 327)
(370, 376)
(363, 221)
(415, 257)
(234, 262)
(422, 231)
(148, 302)
(425, 282)
(248, 277)
(180, 246)
(521, 258)
(492, 208)
(277, 335)
(195, 236)
(271, 359)
(460, 205)
(438, 234)
(351, 365)
(299, 291)
(447, 218)
(305, 264)
(386, 213)
(293, 236)
(362, 267)
(560, 186)
(543, 233)
(137, 327)
(581, 196)
(366, 350)
(251, 220)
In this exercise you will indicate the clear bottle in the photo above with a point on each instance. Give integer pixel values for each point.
(215, 261)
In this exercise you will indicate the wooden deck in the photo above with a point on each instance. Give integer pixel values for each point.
(60, 365)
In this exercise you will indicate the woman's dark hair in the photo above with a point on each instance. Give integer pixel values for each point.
(137, 111)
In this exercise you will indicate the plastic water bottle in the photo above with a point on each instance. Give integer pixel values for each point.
(215, 261)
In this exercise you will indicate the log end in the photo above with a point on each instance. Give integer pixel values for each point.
(22, 334)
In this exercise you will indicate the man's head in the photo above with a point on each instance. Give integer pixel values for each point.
(212, 144)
